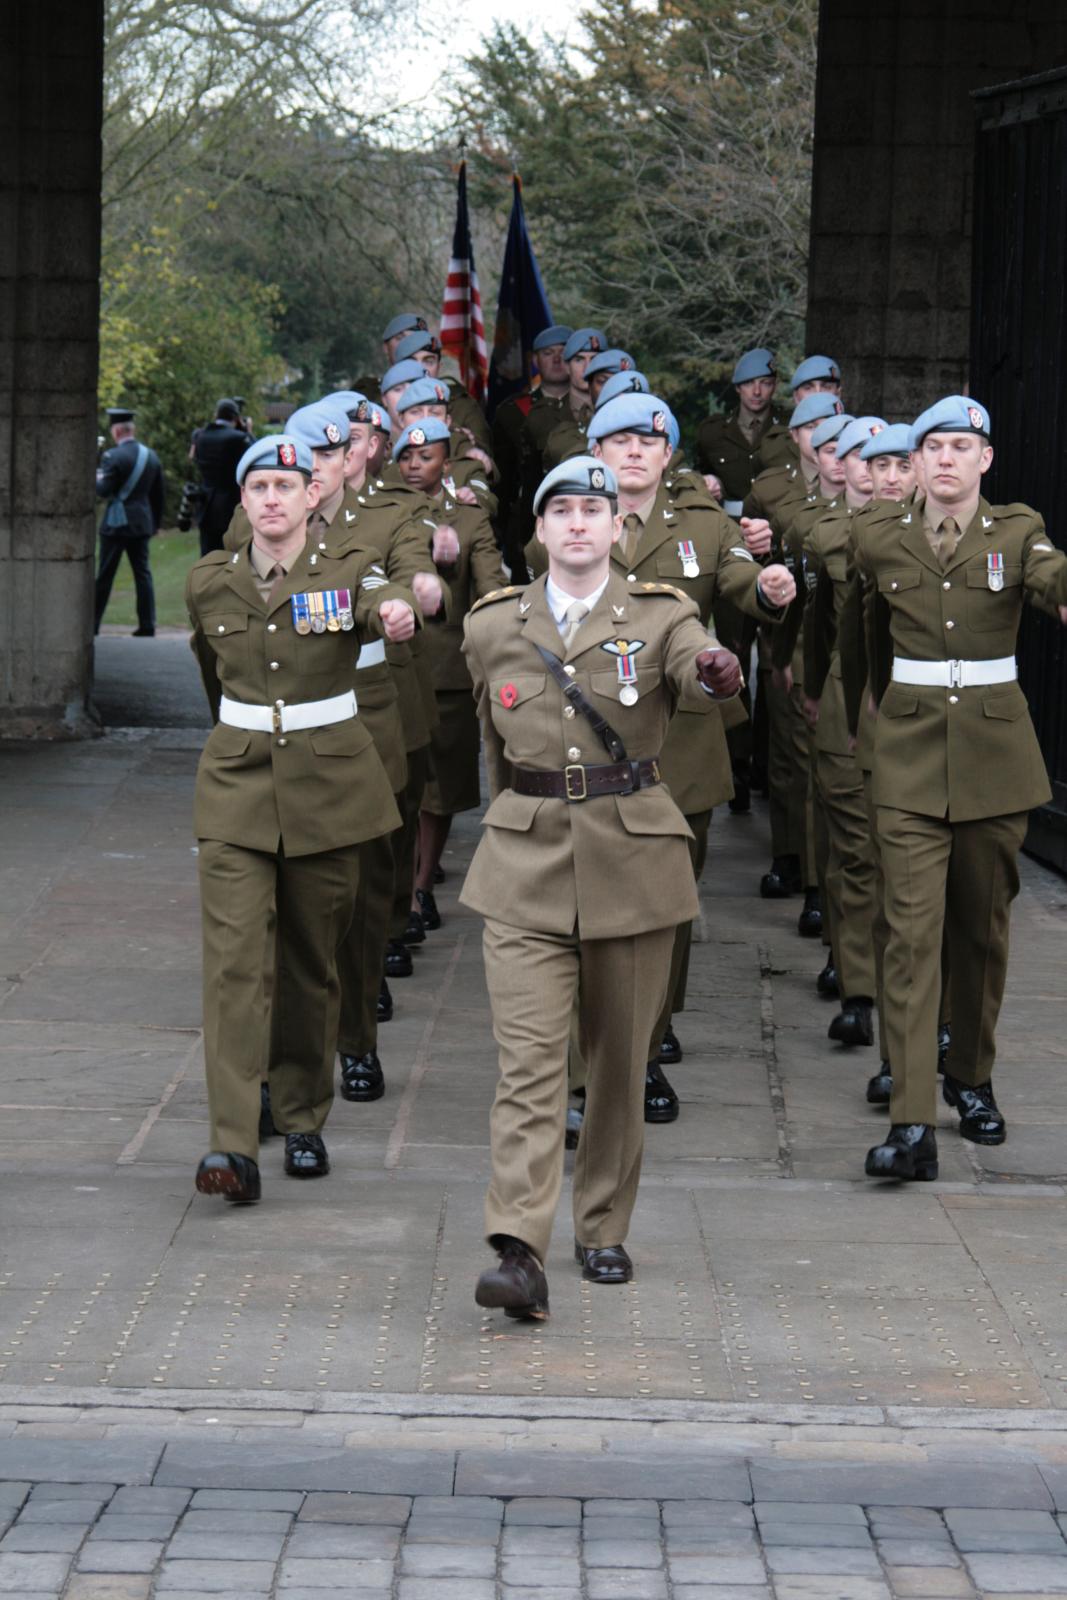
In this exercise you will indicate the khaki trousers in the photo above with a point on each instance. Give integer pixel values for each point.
(699, 822)
(361, 958)
(271, 991)
(957, 879)
(533, 979)
(879, 926)
(788, 779)
(404, 839)
(850, 873)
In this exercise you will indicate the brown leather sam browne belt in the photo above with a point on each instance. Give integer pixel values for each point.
(586, 783)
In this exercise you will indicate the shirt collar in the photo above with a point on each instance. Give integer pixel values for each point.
(644, 510)
(263, 563)
(559, 600)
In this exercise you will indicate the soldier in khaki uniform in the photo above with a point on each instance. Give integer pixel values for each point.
(509, 425)
(468, 420)
(694, 545)
(466, 557)
(578, 352)
(957, 767)
(582, 866)
(472, 473)
(396, 328)
(288, 787)
(568, 437)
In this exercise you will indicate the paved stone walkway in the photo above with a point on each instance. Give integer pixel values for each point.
(888, 1360)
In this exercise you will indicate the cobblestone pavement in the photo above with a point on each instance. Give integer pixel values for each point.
(813, 1388)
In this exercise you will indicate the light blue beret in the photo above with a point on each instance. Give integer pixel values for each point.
(403, 324)
(610, 361)
(814, 369)
(755, 364)
(547, 336)
(278, 451)
(814, 407)
(402, 372)
(622, 383)
(579, 475)
(428, 430)
(584, 339)
(859, 431)
(424, 392)
(358, 407)
(895, 440)
(631, 413)
(422, 340)
(957, 413)
(322, 426)
(829, 429)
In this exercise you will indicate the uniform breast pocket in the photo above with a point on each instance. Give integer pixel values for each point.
(905, 593)
(989, 609)
(520, 711)
(227, 634)
(607, 686)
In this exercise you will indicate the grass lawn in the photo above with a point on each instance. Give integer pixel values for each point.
(171, 554)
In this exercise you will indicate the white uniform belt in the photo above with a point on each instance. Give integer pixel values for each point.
(955, 674)
(371, 655)
(733, 508)
(280, 718)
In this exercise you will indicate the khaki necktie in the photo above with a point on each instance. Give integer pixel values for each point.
(631, 533)
(275, 577)
(948, 537)
(574, 616)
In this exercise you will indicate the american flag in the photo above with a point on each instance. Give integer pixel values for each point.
(462, 326)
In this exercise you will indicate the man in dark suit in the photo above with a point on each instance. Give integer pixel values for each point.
(130, 479)
(216, 450)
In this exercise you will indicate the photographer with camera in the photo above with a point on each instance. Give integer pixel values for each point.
(216, 451)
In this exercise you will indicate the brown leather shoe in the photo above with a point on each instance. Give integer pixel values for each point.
(604, 1264)
(516, 1285)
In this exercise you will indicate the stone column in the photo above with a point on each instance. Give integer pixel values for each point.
(51, 85)
(890, 269)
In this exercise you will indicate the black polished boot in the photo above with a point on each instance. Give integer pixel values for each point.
(944, 1039)
(670, 1051)
(981, 1119)
(880, 1087)
(809, 922)
(826, 983)
(782, 880)
(362, 1077)
(398, 962)
(909, 1154)
(431, 917)
(305, 1155)
(517, 1284)
(385, 1003)
(414, 933)
(606, 1264)
(233, 1176)
(853, 1024)
(661, 1102)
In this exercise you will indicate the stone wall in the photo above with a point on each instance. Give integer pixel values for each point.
(50, 110)
(890, 272)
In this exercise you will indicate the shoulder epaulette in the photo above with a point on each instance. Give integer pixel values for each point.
(660, 588)
(218, 558)
(1016, 509)
(497, 594)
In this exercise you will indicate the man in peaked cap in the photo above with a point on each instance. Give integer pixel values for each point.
(130, 478)
(581, 873)
(957, 767)
(695, 546)
(288, 786)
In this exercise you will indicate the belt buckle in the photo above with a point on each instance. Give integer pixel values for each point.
(955, 674)
(276, 717)
(655, 772)
(575, 788)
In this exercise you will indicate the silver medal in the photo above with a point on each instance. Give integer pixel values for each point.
(628, 695)
(691, 569)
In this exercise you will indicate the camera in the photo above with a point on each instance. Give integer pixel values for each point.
(190, 503)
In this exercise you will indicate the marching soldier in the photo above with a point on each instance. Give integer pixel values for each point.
(288, 787)
(728, 445)
(396, 328)
(568, 436)
(467, 415)
(698, 549)
(471, 470)
(509, 425)
(582, 867)
(957, 767)
(465, 554)
(815, 375)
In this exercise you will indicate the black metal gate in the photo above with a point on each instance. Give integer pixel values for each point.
(1019, 368)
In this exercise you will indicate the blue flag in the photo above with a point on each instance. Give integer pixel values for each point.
(522, 311)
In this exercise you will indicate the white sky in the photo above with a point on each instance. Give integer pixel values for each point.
(467, 21)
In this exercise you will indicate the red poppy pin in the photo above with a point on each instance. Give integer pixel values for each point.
(508, 696)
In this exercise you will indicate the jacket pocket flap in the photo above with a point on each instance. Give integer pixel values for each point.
(607, 684)
(514, 811)
(217, 623)
(903, 578)
(978, 577)
(898, 702)
(651, 811)
(226, 741)
(1007, 705)
(346, 738)
(511, 692)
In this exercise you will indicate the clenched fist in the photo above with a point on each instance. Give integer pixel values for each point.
(398, 620)
(720, 671)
